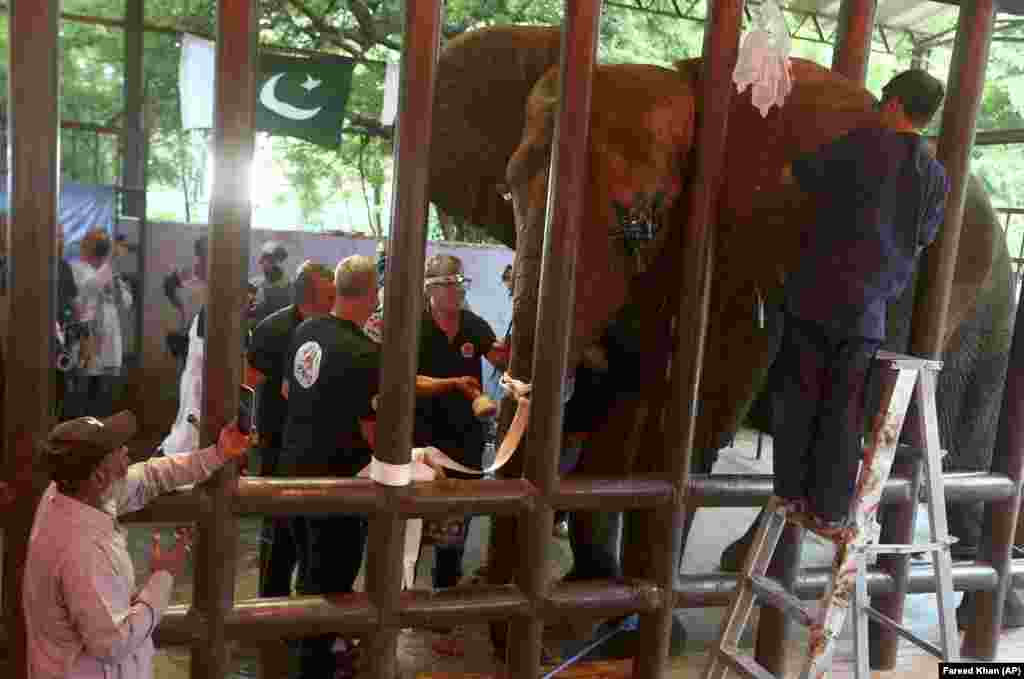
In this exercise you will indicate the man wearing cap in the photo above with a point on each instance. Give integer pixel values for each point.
(268, 350)
(274, 291)
(84, 616)
(333, 379)
(880, 197)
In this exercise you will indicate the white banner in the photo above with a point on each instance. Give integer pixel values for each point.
(390, 108)
(196, 73)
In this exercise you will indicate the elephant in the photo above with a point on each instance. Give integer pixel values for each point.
(494, 118)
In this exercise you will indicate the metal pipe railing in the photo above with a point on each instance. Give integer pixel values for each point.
(256, 620)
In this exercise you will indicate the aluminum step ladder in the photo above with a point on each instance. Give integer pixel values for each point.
(905, 377)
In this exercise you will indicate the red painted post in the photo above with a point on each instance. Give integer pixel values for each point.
(32, 133)
(853, 39)
(959, 120)
(230, 210)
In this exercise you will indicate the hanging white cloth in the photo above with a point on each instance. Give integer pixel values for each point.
(184, 436)
(763, 63)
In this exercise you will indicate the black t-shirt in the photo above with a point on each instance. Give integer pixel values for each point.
(447, 421)
(268, 351)
(333, 373)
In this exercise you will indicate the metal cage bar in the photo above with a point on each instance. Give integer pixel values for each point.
(403, 293)
(31, 240)
(959, 121)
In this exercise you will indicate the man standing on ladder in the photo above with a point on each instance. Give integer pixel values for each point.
(880, 199)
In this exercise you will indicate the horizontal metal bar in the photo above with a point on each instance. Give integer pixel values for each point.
(177, 507)
(601, 599)
(754, 490)
(717, 589)
(267, 619)
(890, 624)
(498, 496)
(613, 494)
(280, 618)
(306, 497)
(462, 605)
(292, 497)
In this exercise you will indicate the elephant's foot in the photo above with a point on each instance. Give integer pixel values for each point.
(736, 554)
(1013, 610)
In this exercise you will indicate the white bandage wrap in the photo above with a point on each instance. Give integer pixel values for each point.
(424, 464)
(390, 474)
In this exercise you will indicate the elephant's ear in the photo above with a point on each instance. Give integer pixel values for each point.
(484, 79)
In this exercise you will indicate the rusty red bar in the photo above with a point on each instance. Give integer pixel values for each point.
(853, 39)
(567, 189)
(403, 294)
(665, 525)
(230, 210)
(956, 140)
(32, 128)
(982, 635)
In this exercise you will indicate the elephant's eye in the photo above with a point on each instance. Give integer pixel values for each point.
(637, 225)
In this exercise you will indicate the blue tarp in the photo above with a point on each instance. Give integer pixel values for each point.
(81, 207)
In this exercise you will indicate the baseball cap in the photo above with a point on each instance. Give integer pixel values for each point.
(74, 448)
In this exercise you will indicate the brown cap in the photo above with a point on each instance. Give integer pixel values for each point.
(74, 448)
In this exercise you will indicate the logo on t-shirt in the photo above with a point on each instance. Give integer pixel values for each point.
(307, 364)
(468, 350)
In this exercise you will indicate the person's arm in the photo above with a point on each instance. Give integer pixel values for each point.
(254, 378)
(112, 622)
(435, 386)
(937, 211)
(146, 480)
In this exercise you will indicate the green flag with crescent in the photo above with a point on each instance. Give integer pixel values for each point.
(303, 97)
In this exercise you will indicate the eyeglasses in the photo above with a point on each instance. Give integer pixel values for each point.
(456, 280)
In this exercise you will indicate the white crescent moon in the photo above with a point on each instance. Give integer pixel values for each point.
(285, 110)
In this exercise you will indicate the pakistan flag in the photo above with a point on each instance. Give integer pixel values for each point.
(303, 97)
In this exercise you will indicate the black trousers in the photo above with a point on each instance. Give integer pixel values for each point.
(819, 415)
(278, 555)
(330, 551)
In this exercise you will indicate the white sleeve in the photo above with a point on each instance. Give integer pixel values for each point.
(112, 623)
(146, 480)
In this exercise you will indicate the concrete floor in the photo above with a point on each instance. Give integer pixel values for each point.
(714, 529)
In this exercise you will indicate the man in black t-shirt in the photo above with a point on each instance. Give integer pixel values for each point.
(333, 377)
(452, 342)
(313, 291)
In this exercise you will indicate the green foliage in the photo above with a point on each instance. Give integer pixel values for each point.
(355, 179)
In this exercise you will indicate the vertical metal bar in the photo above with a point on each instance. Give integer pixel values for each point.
(720, 52)
(230, 209)
(956, 140)
(567, 183)
(982, 635)
(853, 41)
(403, 293)
(133, 142)
(33, 128)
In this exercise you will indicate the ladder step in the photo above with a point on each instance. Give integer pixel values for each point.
(906, 453)
(744, 664)
(886, 621)
(773, 594)
(904, 362)
(911, 549)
